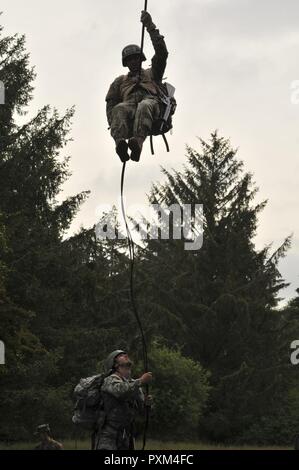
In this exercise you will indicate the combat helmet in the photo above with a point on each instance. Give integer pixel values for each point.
(109, 363)
(42, 428)
(131, 49)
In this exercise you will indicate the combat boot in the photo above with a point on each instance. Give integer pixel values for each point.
(135, 145)
(122, 150)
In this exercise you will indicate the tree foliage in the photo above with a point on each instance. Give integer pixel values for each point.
(221, 365)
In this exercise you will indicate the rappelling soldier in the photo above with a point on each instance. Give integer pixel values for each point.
(122, 399)
(133, 100)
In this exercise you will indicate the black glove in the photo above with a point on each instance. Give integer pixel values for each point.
(147, 21)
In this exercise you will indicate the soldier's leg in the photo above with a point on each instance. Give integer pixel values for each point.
(148, 110)
(107, 439)
(106, 444)
(121, 124)
(123, 441)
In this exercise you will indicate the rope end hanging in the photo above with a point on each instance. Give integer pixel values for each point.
(135, 310)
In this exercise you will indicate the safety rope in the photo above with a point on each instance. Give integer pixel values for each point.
(140, 68)
(142, 40)
(132, 262)
(132, 295)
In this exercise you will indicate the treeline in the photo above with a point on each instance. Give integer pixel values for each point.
(219, 347)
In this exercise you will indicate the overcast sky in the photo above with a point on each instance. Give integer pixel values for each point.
(232, 62)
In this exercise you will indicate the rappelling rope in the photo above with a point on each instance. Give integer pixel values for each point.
(132, 263)
(134, 306)
(142, 39)
(140, 68)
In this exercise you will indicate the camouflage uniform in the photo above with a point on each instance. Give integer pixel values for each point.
(122, 398)
(133, 103)
(49, 445)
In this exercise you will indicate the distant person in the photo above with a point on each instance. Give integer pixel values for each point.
(47, 443)
(122, 398)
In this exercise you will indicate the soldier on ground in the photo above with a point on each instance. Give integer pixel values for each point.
(47, 443)
(122, 399)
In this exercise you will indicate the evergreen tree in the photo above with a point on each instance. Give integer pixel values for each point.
(222, 295)
(65, 301)
(57, 285)
(294, 303)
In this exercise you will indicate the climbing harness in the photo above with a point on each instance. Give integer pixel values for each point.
(164, 123)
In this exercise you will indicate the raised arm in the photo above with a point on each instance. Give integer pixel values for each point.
(121, 389)
(159, 60)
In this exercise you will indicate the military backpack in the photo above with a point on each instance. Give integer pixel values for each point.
(88, 401)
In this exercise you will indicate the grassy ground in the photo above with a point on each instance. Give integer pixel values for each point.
(151, 445)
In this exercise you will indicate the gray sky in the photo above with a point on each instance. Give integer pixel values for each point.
(232, 62)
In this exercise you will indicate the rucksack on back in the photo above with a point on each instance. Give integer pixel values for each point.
(168, 106)
(88, 401)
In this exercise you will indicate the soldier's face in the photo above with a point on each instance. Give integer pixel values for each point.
(124, 366)
(133, 62)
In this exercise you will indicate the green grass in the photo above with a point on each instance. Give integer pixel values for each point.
(151, 445)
